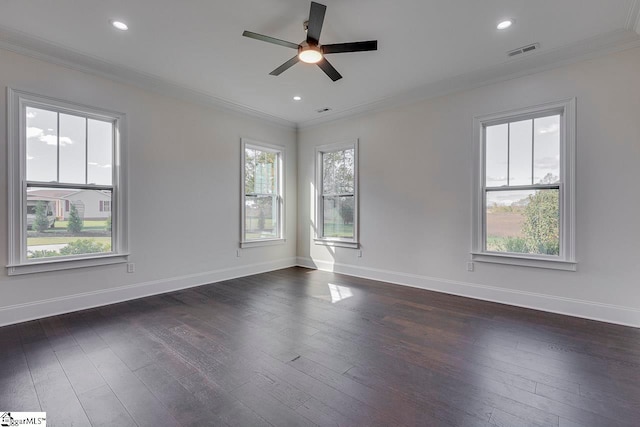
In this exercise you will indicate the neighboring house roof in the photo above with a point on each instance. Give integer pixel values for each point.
(52, 194)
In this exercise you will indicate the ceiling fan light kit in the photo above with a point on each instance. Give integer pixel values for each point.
(311, 51)
(310, 54)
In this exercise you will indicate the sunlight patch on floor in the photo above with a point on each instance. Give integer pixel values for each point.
(339, 293)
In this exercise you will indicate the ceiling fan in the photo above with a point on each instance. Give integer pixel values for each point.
(310, 50)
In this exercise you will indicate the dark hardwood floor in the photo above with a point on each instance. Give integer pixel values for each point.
(302, 347)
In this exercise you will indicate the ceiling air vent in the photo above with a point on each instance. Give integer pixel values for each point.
(523, 49)
(323, 110)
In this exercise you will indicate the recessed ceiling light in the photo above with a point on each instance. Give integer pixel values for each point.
(120, 25)
(503, 25)
(297, 98)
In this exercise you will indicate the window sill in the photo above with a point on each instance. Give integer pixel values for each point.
(65, 264)
(259, 243)
(512, 259)
(338, 243)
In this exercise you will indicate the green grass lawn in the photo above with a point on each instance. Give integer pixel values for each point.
(254, 232)
(494, 243)
(54, 235)
(338, 230)
(58, 240)
(87, 225)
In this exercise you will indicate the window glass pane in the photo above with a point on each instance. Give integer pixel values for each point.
(73, 149)
(345, 172)
(523, 222)
(329, 161)
(546, 150)
(54, 231)
(497, 150)
(338, 172)
(265, 173)
(261, 217)
(42, 144)
(100, 152)
(338, 216)
(520, 152)
(249, 170)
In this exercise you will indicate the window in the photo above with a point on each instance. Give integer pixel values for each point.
(66, 173)
(262, 194)
(337, 195)
(524, 201)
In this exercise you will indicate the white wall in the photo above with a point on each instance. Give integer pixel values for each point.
(416, 182)
(184, 194)
(415, 195)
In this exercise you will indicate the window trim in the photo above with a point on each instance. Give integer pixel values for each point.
(16, 168)
(319, 239)
(567, 258)
(273, 148)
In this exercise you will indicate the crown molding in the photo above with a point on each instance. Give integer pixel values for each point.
(533, 63)
(41, 49)
(615, 41)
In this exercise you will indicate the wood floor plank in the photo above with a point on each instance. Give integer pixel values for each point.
(55, 393)
(226, 406)
(140, 403)
(17, 393)
(608, 408)
(79, 325)
(404, 407)
(57, 333)
(500, 418)
(104, 409)
(269, 408)
(181, 403)
(358, 411)
(81, 373)
(280, 349)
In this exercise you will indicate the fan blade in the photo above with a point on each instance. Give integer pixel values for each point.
(350, 47)
(284, 67)
(316, 19)
(329, 70)
(270, 39)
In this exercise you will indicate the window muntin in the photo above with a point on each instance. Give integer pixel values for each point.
(57, 218)
(338, 184)
(262, 206)
(336, 181)
(105, 205)
(84, 230)
(525, 207)
(524, 221)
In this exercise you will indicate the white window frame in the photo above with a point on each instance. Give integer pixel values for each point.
(320, 239)
(566, 260)
(280, 187)
(17, 101)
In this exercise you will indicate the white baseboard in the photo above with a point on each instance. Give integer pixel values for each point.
(51, 307)
(572, 307)
(620, 315)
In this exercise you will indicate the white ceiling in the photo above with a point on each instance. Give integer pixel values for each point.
(197, 45)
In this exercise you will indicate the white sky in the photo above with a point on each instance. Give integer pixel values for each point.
(539, 149)
(75, 154)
